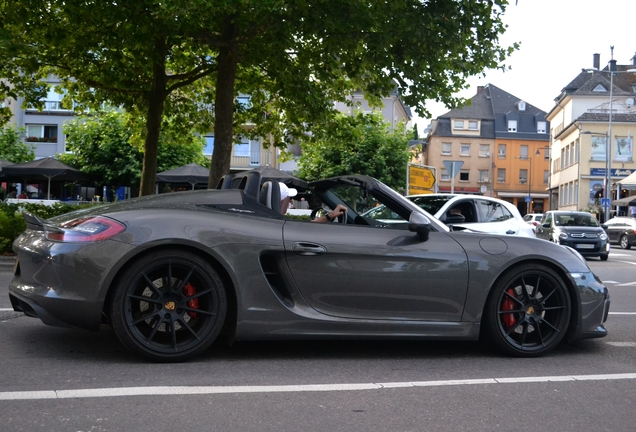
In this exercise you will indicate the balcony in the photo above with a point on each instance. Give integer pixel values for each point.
(253, 159)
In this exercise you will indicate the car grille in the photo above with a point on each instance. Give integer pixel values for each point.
(584, 235)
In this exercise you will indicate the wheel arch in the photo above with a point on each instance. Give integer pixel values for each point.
(575, 300)
(232, 303)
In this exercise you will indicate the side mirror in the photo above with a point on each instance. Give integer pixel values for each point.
(546, 225)
(454, 218)
(604, 226)
(419, 224)
(317, 212)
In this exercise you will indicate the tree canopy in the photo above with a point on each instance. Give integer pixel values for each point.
(359, 144)
(293, 58)
(109, 146)
(12, 146)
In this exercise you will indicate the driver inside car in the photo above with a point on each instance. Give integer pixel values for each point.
(286, 193)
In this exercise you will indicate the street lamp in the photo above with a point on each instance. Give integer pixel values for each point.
(529, 197)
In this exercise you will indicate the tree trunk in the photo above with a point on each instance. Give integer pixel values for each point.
(156, 99)
(224, 107)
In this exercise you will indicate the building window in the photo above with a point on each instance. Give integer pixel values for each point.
(447, 148)
(512, 125)
(465, 150)
(501, 175)
(599, 144)
(484, 150)
(41, 133)
(209, 146)
(242, 149)
(464, 176)
(458, 124)
(546, 176)
(483, 176)
(445, 175)
(473, 125)
(541, 127)
(523, 152)
(523, 176)
(623, 149)
(502, 151)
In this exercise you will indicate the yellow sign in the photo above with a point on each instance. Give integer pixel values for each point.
(421, 180)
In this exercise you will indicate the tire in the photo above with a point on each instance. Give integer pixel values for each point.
(604, 257)
(527, 312)
(625, 242)
(168, 322)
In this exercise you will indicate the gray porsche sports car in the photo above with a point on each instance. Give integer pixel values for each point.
(172, 273)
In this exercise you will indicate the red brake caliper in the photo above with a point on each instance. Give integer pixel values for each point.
(189, 291)
(508, 319)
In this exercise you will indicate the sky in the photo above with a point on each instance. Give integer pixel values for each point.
(558, 38)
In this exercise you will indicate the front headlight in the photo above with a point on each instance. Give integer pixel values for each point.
(603, 236)
(563, 236)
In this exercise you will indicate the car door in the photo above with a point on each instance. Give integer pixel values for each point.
(544, 230)
(495, 218)
(615, 227)
(356, 271)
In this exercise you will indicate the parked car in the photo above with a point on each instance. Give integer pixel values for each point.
(476, 212)
(533, 219)
(579, 230)
(171, 273)
(622, 230)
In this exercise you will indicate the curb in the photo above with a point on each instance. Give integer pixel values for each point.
(7, 262)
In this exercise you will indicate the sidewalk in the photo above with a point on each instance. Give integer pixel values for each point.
(6, 263)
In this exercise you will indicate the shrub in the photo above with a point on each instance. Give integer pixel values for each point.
(12, 223)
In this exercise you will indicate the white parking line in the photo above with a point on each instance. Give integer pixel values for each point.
(174, 391)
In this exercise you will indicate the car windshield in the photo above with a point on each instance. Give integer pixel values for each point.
(576, 219)
(386, 206)
(432, 203)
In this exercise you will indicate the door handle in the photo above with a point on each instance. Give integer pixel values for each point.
(308, 249)
(510, 232)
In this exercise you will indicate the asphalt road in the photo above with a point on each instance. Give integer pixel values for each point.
(80, 381)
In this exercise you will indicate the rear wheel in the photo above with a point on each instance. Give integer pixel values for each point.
(528, 311)
(625, 242)
(169, 306)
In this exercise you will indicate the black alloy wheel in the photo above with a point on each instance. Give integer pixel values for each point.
(169, 306)
(528, 311)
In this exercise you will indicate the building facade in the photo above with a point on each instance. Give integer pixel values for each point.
(584, 120)
(501, 142)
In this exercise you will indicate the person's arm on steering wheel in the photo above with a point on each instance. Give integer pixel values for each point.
(340, 210)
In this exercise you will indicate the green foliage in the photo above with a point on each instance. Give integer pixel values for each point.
(12, 223)
(295, 58)
(109, 146)
(12, 147)
(360, 144)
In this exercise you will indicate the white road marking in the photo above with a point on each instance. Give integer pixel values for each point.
(626, 284)
(622, 344)
(178, 390)
(622, 313)
(610, 282)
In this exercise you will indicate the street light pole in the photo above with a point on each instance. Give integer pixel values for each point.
(608, 148)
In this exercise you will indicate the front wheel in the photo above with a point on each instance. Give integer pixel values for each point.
(528, 311)
(625, 242)
(168, 306)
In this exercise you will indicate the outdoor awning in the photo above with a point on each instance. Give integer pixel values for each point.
(628, 182)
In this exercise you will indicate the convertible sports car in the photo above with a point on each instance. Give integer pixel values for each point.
(172, 273)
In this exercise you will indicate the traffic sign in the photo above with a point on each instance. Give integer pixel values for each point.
(421, 177)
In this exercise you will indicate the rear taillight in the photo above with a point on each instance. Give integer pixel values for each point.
(84, 230)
